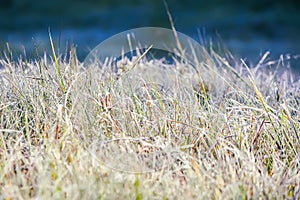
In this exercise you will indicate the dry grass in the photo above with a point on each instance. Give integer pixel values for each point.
(227, 133)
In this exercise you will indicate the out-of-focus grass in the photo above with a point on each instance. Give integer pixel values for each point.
(238, 130)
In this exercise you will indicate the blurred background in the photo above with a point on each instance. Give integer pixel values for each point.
(247, 28)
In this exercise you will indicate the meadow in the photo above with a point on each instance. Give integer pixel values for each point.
(220, 130)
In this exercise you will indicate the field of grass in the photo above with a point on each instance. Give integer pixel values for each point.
(217, 130)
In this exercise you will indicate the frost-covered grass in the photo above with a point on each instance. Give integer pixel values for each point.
(230, 131)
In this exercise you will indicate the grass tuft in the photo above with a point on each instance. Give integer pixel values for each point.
(66, 132)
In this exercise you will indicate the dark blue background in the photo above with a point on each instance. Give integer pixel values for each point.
(247, 28)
